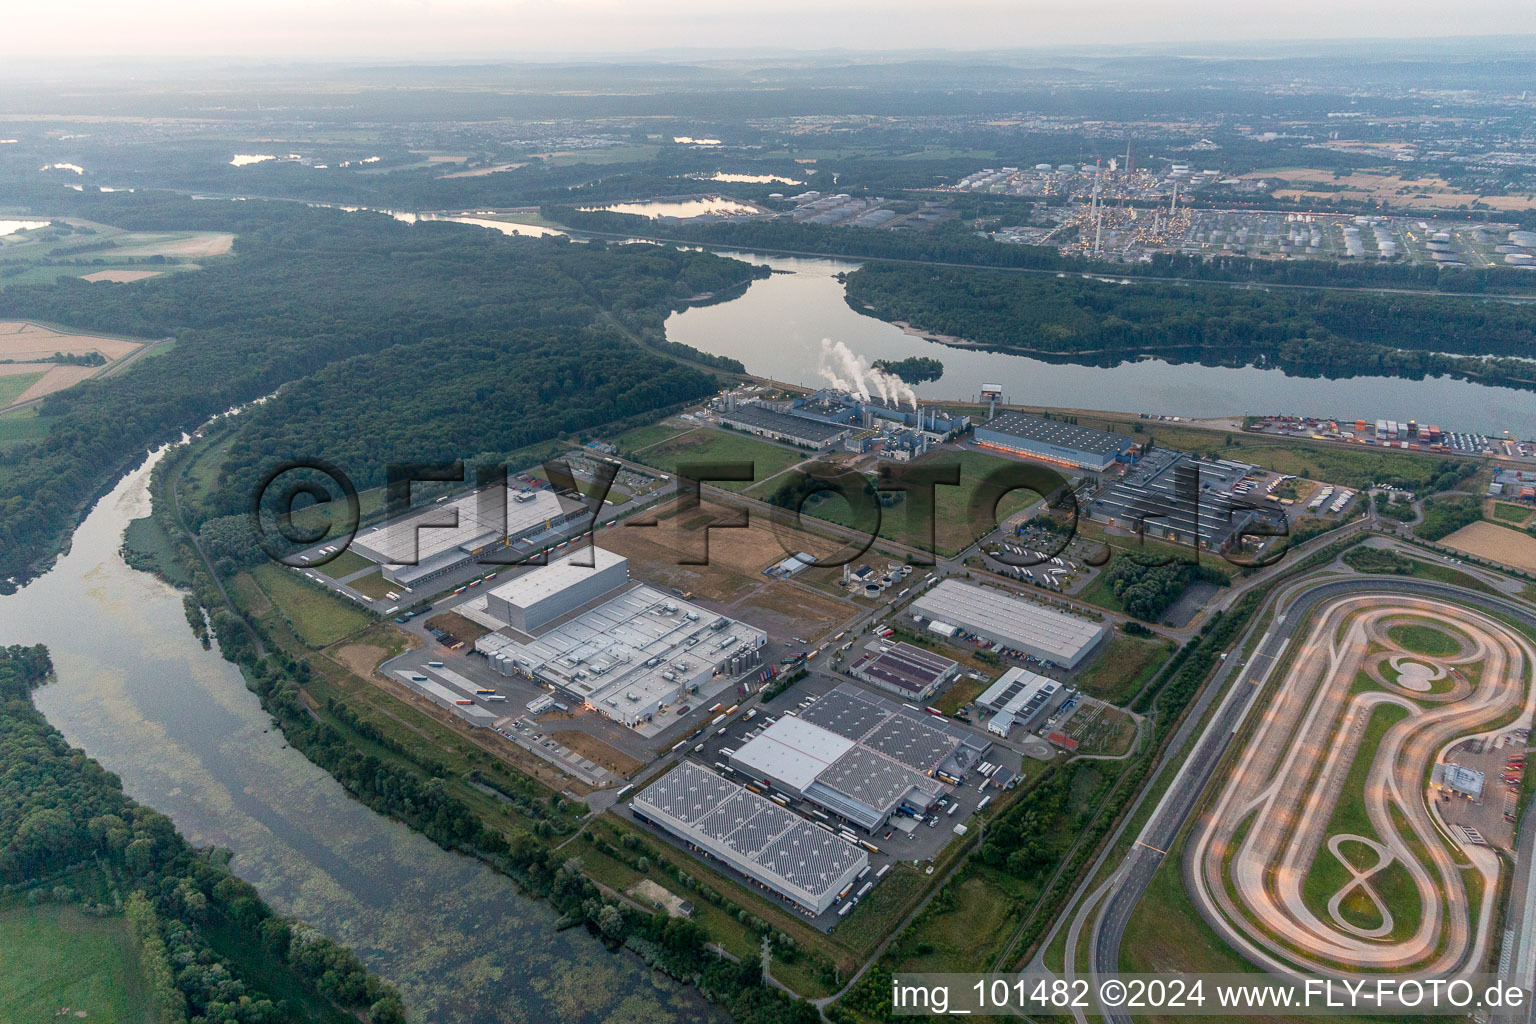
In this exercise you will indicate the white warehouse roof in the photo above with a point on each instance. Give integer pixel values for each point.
(547, 580)
(1014, 621)
(792, 751)
(408, 539)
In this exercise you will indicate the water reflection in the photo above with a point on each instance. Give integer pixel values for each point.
(176, 722)
(775, 328)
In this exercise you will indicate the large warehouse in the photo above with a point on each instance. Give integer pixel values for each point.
(628, 656)
(859, 756)
(548, 592)
(796, 430)
(1053, 441)
(1013, 622)
(413, 551)
(909, 672)
(777, 849)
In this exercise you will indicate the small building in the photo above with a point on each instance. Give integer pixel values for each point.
(907, 671)
(1466, 781)
(1020, 697)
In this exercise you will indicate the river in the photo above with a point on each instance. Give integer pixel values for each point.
(140, 695)
(775, 328)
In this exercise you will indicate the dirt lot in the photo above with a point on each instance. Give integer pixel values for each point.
(733, 581)
(190, 244)
(1496, 543)
(594, 749)
(462, 629)
(120, 276)
(360, 659)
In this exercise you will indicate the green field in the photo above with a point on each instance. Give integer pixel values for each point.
(706, 444)
(318, 618)
(54, 957)
(13, 387)
(1123, 669)
(1503, 510)
(344, 564)
(23, 425)
(1427, 640)
(149, 548)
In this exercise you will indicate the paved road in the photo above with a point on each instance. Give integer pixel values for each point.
(1132, 879)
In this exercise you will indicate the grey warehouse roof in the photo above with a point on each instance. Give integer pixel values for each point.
(795, 426)
(753, 834)
(1066, 435)
(1017, 621)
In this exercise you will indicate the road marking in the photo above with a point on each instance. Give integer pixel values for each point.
(1151, 847)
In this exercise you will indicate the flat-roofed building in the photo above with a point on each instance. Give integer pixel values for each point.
(629, 656)
(860, 756)
(775, 848)
(1054, 441)
(908, 672)
(1018, 698)
(796, 430)
(1013, 622)
(543, 594)
(430, 542)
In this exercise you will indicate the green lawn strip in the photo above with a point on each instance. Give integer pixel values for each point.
(53, 956)
(318, 618)
(1125, 666)
(1430, 641)
(344, 564)
(376, 586)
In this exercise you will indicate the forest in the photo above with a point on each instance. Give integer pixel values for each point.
(309, 288)
(68, 833)
(1307, 333)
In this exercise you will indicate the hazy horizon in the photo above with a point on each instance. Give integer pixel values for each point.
(423, 30)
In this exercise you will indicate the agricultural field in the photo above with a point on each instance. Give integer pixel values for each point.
(73, 247)
(1384, 188)
(57, 963)
(28, 369)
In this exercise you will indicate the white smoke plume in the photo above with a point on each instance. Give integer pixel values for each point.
(847, 371)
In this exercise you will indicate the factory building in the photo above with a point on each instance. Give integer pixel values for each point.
(1177, 497)
(1018, 698)
(1013, 622)
(832, 406)
(775, 848)
(860, 756)
(795, 430)
(1053, 441)
(544, 594)
(624, 650)
(910, 673)
(434, 541)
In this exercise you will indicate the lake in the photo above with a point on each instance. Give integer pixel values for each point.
(10, 227)
(777, 325)
(139, 694)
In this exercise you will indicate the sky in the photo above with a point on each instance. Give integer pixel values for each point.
(508, 29)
